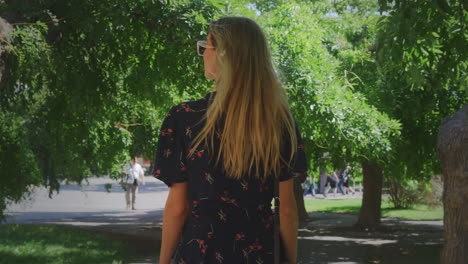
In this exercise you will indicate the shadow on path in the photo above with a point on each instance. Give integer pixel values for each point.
(115, 187)
(331, 238)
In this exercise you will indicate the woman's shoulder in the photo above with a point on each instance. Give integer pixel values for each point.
(193, 106)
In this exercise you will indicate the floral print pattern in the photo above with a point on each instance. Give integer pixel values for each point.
(230, 221)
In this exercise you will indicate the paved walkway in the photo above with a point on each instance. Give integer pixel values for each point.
(91, 206)
(330, 235)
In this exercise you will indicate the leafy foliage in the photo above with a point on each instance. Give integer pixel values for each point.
(92, 84)
(332, 117)
(423, 59)
(406, 193)
(15, 157)
(88, 88)
(410, 62)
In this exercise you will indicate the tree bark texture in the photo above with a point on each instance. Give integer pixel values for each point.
(452, 147)
(370, 213)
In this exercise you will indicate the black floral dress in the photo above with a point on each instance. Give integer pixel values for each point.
(230, 221)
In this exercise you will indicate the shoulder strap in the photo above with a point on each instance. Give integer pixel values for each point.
(276, 231)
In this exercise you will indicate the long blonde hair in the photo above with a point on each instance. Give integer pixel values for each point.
(251, 101)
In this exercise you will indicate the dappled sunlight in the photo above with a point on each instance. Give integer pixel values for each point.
(361, 241)
(52, 244)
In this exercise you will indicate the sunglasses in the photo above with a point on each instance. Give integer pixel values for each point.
(202, 46)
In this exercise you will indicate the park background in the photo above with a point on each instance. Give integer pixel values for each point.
(86, 84)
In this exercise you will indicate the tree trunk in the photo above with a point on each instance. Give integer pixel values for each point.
(369, 215)
(452, 146)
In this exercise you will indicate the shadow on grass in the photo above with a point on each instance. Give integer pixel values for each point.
(349, 209)
(354, 209)
(83, 218)
(58, 244)
(418, 212)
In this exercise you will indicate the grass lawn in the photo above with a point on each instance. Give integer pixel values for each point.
(352, 206)
(57, 244)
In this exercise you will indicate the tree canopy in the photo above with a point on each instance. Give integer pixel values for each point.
(332, 116)
(88, 83)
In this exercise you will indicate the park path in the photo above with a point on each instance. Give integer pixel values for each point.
(330, 236)
(91, 205)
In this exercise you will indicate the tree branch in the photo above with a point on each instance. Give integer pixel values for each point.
(47, 22)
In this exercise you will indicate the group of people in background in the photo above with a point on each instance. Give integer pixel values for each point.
(336, 180)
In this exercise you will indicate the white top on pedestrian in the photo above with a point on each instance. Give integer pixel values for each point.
(133, 172)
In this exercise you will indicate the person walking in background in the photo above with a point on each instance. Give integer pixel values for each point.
(341, 174)
(332, 181)
(309, 186)
(134, 175)
(224, 154)
(323, 181)
(347, 178)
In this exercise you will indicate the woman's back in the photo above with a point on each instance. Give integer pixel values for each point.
(222, 153)
(229, 219)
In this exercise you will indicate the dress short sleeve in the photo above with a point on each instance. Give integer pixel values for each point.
(169, 164)
(299, 162)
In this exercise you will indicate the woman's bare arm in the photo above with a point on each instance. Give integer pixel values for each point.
(288, 219)
(174, 217)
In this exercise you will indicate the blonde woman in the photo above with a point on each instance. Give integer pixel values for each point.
(220, 155)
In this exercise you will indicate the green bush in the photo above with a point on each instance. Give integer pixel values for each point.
(432, 194)
(403, 194)
(406, 194)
